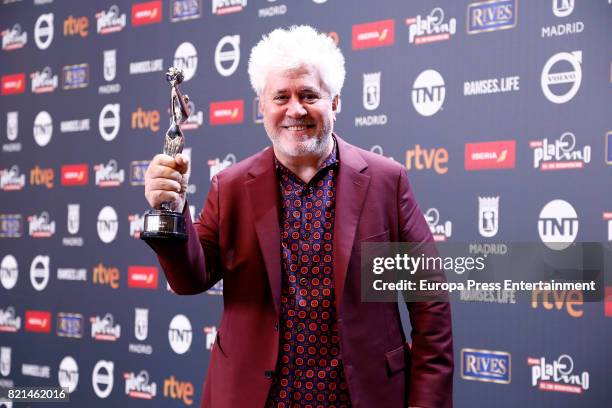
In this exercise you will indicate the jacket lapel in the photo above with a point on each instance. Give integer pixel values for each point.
(262, 187)
(351, 190)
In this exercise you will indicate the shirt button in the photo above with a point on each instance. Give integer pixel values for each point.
(303, 281)
(300, 327)
(268, 374)
(306, 235)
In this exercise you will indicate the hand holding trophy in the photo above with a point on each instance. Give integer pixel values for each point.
(165, 223)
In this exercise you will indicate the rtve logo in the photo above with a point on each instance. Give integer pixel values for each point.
(76, 25)
(106, 276)
(142, 119)
(42, 177)
(557, 299)
(427, 159)
(175, 389)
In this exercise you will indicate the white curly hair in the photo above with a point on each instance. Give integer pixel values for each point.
(296, 47)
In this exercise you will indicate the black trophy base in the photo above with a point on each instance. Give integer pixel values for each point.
(164, 225)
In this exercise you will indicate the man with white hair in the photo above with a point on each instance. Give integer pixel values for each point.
(283, 229)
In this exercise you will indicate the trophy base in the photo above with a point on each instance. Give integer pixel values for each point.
(164, 225)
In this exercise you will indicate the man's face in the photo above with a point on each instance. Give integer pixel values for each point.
(298, 112)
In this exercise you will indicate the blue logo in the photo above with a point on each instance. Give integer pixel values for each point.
(257, 115)
(75, 76)
(609, 148)
(491, 16)
(485, 365)
(11, 225)
(137, 172)
(185, 9)
(69, 325)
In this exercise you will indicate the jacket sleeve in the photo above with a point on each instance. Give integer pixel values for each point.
(194, 266)
(431, 370)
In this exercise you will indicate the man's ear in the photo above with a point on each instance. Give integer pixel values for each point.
(335, 103)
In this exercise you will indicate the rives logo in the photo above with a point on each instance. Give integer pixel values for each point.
(486, 366)
(181, 10)
(491, 15)
(39, 272)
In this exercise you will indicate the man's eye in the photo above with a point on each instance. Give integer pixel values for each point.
(311, 97)
(280, 98)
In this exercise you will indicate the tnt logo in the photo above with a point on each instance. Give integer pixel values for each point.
(558, 224)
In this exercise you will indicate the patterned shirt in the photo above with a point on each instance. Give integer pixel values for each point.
(309, 371)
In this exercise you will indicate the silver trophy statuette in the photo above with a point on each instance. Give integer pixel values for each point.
(165, 223)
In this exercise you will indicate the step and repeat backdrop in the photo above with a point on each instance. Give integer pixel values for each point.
(500, 111)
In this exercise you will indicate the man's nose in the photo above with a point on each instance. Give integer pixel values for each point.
(296, 109)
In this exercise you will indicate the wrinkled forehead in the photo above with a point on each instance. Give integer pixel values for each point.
(287, 79)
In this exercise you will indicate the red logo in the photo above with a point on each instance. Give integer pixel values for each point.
(37, 321)
(227, 112)
(75, 175)
(142, 277)
(376, 34)
(146, 13)
(490, 155)
(608, 301)
(13, 84)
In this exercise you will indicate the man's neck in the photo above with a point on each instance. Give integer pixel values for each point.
(305, 167)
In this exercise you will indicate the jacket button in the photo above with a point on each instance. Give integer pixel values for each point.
(268, 374)
(276, 326)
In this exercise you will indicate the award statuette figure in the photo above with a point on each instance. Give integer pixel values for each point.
(166, 223)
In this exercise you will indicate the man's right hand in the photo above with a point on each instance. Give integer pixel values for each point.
(166, 181)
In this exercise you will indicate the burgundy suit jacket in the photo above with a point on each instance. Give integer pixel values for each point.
(237, 238)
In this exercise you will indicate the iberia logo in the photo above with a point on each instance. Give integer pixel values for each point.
(376, 34)
(226, 112)
(146, 13)
(75, 175)
(490, 155)
(142, 277)
(13, 84)
(38, 321)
